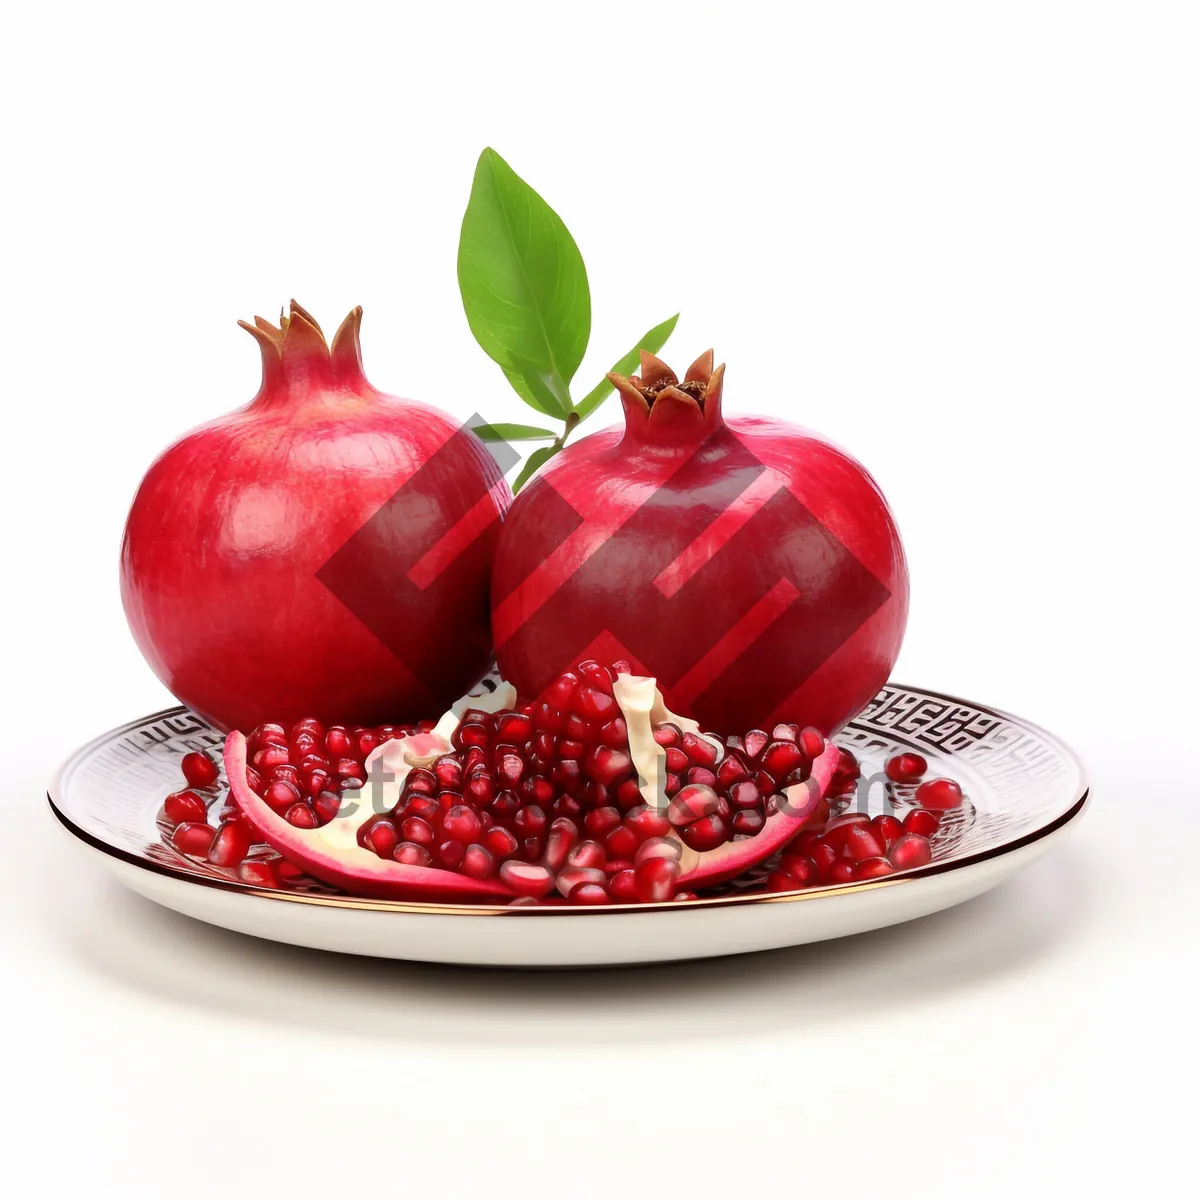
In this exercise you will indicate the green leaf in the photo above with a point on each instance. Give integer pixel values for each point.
(532, 463)
(513, 433)
(652, 340)
(523, 283)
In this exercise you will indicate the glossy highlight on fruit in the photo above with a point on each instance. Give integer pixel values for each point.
(324, 551)
(750, 566)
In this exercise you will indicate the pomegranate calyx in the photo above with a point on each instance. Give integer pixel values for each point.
(296, 356)
(660, 408)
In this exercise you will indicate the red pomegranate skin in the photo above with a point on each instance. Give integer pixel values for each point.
(232, 523)
(667, 543)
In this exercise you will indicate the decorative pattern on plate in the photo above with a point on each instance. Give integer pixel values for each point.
(1018, 779)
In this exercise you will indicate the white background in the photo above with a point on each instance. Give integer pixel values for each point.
(961, 239)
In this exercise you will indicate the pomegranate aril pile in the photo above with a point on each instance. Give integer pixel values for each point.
(542, 800)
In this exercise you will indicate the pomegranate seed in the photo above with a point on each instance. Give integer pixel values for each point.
(317, 782)
(513, 729)
(732, 770)
(327, 806)
(510, 767)
(622, 842)
(199, 770)
(801, 868)
(185, 806)
(255, 781)
(286, 773)
(309, 725)
(600, 822)
(786, 732)
(412, 855)
(747, 824)
(887, 829)
(921, 821)
(450, 854)
(586, 854)
(905, 768)
(564, 833)
(478, 862)
(780, 758)
(823, 856)
(812, 743)
(755, 743)
(194, 838)
(230, 845)
(691, 803)
(835, 830)
(667, 734)
(258, 871)
(500, 841)
(607, 765)
(765, 782)
(469, 735)
(842, 871)
(368, 741)
(645, 822)
(910, 850)
(654, 880)
(423, 781)
(526, 879)
(872, 868)
(461, 824)
(380, 835)
(595, 705)
(592, 672)
(301, 816)
(629, 795)
(705, 834)
(659, 847)
(270, 756)
(530, 821)
(481, 789)
(859, 842)
(623, 886)
(614, 733)
(561, 690)
(567, 774)
(677, 760)
(588, 893)
(939, 794)
(418, 830)
(337, 742)
(700, 751)
(351, 783)
(531, 849)
(448, 772)
(537, 790)
(745, 795)
(281, 795)
(701, 775)
(264, 734)
(781, 881)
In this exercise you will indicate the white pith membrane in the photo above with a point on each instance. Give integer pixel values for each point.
(332, 852)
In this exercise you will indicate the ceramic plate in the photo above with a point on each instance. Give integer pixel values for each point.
(1024, 788)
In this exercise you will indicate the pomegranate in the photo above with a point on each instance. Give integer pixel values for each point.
(587, 796)
(752, 567)
(323, 551)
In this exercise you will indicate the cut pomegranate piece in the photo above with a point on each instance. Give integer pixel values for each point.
(465, 816)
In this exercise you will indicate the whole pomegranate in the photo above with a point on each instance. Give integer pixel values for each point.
(751, 566)
(324, 551)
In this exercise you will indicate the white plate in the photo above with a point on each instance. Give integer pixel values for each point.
(1024, 788)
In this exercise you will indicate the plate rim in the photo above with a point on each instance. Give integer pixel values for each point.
(425, 908)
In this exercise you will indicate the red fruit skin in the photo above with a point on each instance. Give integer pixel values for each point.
(232, 523)
(549, 609)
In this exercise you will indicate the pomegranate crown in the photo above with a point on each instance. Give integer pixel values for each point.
(295, 351)
(657, 403)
